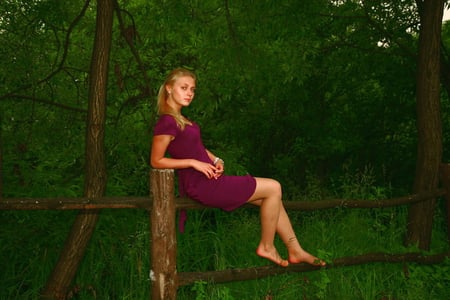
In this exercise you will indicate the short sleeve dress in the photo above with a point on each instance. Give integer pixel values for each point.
(226, 192)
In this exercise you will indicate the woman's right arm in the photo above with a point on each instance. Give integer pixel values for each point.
(158, 160)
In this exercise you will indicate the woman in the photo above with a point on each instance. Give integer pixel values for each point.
(200, 172)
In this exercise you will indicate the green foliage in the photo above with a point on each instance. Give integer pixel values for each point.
(317, 94)
(360, 184)
(278, 95)
(199, 288)
(116, 263)
(418, 277)
(203, 291)
(322, 285)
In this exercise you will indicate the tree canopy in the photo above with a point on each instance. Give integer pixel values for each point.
(294, 90)
(303, 92)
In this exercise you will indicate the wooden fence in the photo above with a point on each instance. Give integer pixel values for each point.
(162, 206)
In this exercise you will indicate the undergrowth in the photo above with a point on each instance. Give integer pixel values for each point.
(116, 264)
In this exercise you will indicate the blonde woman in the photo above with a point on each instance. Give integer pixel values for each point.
(200, 172)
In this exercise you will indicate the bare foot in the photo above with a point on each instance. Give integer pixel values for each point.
(298, 255)
(304, 257)
(272, 255)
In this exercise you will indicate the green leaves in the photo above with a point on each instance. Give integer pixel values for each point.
(284, 89)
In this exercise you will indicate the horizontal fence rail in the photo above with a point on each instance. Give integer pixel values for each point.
(80, 203)
(230, 275)
(83, 203)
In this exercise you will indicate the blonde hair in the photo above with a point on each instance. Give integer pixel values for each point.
(162, 106)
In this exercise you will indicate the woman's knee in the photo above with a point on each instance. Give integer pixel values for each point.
(276, 187)
(271, 186)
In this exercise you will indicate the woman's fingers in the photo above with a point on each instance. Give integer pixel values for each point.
(210, 171)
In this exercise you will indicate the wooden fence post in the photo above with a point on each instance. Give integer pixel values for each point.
(445, 180)
(163, 273)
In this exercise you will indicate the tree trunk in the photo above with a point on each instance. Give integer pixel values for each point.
(1, 157)
(429, 125)
(95, 173)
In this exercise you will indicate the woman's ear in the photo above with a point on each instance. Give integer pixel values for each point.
(168, 89)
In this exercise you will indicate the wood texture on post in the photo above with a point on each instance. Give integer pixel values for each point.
(163, 273)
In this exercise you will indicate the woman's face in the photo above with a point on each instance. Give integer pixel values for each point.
(181, 92)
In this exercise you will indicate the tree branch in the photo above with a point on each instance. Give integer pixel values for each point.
(43, 101)
(130, 38)
(63, 59)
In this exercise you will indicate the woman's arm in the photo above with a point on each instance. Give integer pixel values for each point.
(218, 162)
(211, 156)
(158, 160)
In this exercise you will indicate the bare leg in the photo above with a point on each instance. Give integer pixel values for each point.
(274, 219)
(296, 253)
(267, 195)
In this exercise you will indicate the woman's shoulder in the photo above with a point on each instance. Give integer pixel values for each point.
(166, 118)
(166, 124)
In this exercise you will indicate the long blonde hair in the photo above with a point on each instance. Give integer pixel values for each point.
(163, 107)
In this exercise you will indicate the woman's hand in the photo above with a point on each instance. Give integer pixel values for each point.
(220, 168)
(210, 171)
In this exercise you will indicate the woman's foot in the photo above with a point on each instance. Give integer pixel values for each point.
(305, 257)
(297, 255)
(272, 255)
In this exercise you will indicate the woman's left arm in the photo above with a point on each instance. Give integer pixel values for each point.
(211, 156)
(217, 161)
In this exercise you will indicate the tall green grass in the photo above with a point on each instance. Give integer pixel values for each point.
(332, 234)
(116, 264)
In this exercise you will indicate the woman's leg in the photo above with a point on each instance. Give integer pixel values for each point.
(274, 219)
(295, 251)
(267, 195)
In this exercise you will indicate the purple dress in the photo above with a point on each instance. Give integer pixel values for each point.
(226, 192)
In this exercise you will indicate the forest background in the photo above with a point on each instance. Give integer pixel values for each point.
(320, 95)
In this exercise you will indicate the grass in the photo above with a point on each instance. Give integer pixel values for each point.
(116, 264)
(334, 233)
